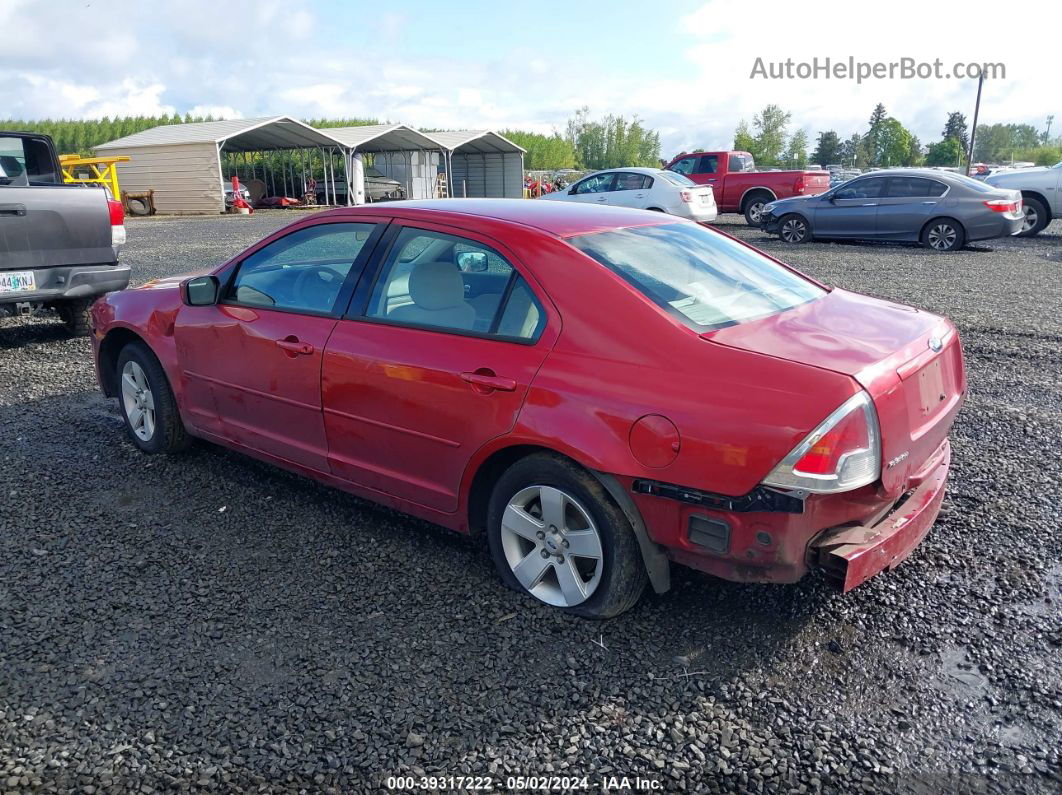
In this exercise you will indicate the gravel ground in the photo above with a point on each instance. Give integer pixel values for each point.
(211, 623)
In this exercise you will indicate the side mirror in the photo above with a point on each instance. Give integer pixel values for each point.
(472, 261)
(202, 291)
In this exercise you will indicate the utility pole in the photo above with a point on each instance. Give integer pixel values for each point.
(977, 109)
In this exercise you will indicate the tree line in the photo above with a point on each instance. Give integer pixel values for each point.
(886, 142)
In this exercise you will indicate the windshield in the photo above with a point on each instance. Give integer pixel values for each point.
(705, 279)
(677, 179)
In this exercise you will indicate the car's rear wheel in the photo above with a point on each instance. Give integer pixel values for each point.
(147, 402)
(554, 533)
(77, 316)
(793, 229)
(943, 234)
(1035, 217)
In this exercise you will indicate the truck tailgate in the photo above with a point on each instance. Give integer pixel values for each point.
(53, 225)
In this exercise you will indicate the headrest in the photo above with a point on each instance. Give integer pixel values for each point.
(436, 285)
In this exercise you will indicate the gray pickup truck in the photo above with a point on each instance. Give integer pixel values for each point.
(59, 243)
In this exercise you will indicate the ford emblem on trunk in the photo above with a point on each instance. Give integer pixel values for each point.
(935, 344)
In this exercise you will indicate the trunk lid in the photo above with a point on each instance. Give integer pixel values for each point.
(909, 361)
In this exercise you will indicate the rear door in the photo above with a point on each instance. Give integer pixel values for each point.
(631, 190)
(852, 210)
(44, 223)
(905, 206)
(422, 373)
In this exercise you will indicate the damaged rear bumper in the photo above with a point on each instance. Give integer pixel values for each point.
(852, 555)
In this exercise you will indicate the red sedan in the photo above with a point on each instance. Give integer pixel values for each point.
(598, 391)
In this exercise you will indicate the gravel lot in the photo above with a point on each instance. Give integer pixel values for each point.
(208, 622)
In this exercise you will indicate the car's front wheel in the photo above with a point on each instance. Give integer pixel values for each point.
(794, 229)
(943, 234)
(147, 402)
(554, 533)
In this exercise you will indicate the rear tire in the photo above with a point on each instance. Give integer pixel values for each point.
(943, 234)
(1036, 217)
(754, 208)
(147, 402)
(552, 521)
(77, 316)
(793, 228)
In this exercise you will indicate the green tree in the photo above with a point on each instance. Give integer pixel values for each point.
(955, 127)
(948, 152)
(894, 143)
(743, 140)
(914, 155)
(853, 151)
(872, 143)
(545, 152)
(612, 142)
(796, 152)
(770, 125)
(828, 149)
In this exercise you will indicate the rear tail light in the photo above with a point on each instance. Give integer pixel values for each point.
(798, 186)
(1004, 206)
(842, 453)
(686, 196)
(117, 213)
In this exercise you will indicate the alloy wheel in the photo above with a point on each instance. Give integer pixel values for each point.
(756, 211)
(794, 230)
(942, 237)
(138, 401)
(552, 545)
(1032, 218)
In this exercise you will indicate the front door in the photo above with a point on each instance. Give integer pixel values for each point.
(432, 363)
(595, 189)
(906, 205)
(852, 210)
(252, 363)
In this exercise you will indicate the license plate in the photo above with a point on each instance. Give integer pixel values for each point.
(931, 387)
(17, 282)
(704, 198)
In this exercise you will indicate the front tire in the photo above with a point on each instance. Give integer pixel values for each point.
(147, 402)
(793, 228)
(1035, 217)
(555, 534)
(943, 234)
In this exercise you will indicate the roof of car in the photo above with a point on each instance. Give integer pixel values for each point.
(563, 219)
(910, 172)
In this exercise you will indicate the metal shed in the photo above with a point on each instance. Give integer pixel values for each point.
(182, 162)
(399, 152)
(482, 163)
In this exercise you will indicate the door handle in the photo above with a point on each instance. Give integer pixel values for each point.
(929, 203)
(294, 347)
(603, 198)
(710, 180)
(489, 382)
(12, 209)
(871, 204)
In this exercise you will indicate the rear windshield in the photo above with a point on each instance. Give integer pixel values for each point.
(677, 179)
(704, 279)
(974, 184)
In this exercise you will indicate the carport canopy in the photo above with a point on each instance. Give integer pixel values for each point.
(482, 163)
(181, 163)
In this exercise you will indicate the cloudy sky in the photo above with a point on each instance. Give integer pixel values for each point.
(684, 66)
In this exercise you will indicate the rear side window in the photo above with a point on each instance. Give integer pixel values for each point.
(631, 181)
(738, 161)
(26, 161)
(704, 279)
(449, 283)
(915, 187)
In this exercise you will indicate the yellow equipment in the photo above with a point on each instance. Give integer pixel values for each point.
(93, 171)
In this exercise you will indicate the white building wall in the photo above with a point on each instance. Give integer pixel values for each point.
(186, 178)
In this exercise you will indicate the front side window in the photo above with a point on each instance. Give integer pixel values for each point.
(686, 165)
(861, 189)
(442, 281)
(599, 183)
(303, 271)
(709, 164)
(706, 280)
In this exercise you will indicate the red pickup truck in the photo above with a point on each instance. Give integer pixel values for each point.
(739, 187)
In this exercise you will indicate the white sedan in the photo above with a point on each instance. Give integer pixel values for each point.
(644, 189)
